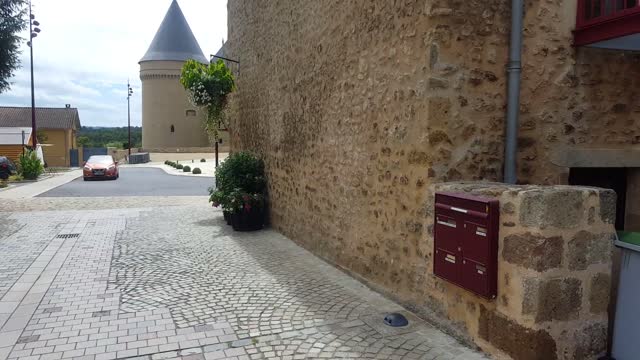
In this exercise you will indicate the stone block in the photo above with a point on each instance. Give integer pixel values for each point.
(587, 248)
(533, 251)
(557, 299)
(608, 200)
(516, 340)
(600, 293)
(561, 208)
(590, 342)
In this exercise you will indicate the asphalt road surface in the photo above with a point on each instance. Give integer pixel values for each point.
(135, 182)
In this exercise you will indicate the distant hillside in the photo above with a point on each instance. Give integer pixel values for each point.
(91, 136)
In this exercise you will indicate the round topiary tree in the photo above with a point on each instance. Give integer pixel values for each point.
(186, 169)
(196, 171)
(179, 167)
(203, 160)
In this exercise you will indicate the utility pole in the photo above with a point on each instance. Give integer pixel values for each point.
(33, 32)
(129, 93)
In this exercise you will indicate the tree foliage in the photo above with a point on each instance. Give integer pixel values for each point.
(112, 136)
(208, 87)
(13, 19)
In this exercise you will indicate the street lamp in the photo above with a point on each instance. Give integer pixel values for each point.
(129, 93)
(33, 33)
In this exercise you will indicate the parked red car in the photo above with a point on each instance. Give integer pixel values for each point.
(100, 167)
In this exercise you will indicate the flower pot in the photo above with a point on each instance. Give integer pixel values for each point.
(227, 217)
(251, 220)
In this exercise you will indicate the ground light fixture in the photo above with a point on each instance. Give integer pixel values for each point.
(396, 320)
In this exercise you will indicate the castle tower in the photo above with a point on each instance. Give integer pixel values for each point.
(169, 120)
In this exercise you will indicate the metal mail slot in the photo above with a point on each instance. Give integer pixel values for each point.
(466, 242)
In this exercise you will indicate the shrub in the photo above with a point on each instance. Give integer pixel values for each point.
(166, 162)
(179, 166)
(3, 184)
(239, 182)
(16, 177)
(30, 166)
(243, 171)
(203, 160)
(196, 171)
(186, 169)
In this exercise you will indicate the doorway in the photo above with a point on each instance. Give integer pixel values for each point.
(608, 178)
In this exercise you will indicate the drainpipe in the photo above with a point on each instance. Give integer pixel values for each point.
(513, 97)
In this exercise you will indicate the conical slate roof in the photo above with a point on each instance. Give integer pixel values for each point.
(174, 40)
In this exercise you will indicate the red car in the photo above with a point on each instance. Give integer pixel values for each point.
(100, 167)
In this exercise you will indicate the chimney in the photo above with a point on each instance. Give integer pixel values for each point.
(68, 106)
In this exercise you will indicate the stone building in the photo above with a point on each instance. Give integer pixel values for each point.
(169, 121)
(359, 107)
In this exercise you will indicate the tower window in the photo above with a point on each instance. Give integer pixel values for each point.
(173, 129)
(191, 113)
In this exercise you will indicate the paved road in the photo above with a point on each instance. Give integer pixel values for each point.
(174, 282)
(135, 182)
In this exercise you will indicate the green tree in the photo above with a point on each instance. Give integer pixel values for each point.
(13, 20)
(82, 141)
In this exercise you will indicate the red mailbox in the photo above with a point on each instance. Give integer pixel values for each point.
(466, 242)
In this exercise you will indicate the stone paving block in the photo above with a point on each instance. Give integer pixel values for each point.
(137, 283)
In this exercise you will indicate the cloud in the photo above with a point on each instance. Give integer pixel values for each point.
(88, 49)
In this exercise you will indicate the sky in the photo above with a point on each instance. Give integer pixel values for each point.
(88, 49)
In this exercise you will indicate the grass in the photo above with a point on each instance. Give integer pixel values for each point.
(56, 170)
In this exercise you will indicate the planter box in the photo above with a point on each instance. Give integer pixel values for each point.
(227, 217)
(248, 221)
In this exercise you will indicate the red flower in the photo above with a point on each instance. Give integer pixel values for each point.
(245, 197)
(247, 207)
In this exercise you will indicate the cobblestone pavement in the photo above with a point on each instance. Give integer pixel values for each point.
(146, 280)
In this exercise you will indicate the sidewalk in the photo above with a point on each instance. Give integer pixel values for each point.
(36, 188)
(208, 168)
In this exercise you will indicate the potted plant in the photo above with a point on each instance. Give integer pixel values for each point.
(239, 190)
(219, 198)
(248, 212)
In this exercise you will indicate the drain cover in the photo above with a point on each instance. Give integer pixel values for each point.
(68, 236)
(396, 320)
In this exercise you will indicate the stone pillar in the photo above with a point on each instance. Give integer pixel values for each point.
(554, 273)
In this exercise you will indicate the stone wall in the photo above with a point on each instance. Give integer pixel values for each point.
(358, 106)
(572, 98)
(554, 274)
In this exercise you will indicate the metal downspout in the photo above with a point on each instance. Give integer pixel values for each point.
(513, 96)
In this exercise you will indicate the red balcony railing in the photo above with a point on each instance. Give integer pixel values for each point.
(600, 20)
(596, 11)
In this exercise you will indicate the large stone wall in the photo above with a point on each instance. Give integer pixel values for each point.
(571, 98)
(358, 106)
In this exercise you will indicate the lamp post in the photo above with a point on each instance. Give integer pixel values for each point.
(129, 93)
(33, 33)
(211, 57)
